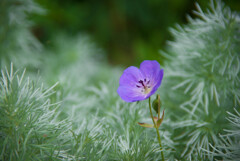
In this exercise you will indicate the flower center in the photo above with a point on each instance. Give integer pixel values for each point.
(144, 85)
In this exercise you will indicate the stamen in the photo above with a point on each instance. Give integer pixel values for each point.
(141, 83)
(138, 86)
(144, 85)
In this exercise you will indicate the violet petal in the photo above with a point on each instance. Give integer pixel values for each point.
(130, 94)
(150, 69)
(130, 76)
(158, 82)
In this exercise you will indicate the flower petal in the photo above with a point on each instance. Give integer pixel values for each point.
(130, 94)
(130, 77)
(158, 80)
(150, 69)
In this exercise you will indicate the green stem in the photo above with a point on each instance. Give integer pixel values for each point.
(159, 139)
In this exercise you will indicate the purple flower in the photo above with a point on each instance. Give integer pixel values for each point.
(139, 84)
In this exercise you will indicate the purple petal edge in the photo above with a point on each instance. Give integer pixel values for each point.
(159, 82)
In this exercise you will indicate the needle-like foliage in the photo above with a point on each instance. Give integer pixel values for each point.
(229, 147)
(30, 129)
(203, 73)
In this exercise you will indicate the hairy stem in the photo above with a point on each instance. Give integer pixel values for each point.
(159, 139)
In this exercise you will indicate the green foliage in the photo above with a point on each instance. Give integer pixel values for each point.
(203, 73)
(229, 147)
(30, 129)
(83, 118)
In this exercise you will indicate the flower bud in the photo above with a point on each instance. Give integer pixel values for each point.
(156, 105)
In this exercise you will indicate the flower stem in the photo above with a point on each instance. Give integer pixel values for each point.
(159, 139)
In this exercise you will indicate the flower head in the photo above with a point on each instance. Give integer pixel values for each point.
(139, 84)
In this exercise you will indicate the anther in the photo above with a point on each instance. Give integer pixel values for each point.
(138, 86)
(141, 83)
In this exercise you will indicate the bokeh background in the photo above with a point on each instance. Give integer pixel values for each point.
(128, 31)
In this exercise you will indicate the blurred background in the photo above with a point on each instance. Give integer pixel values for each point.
(128, 31)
